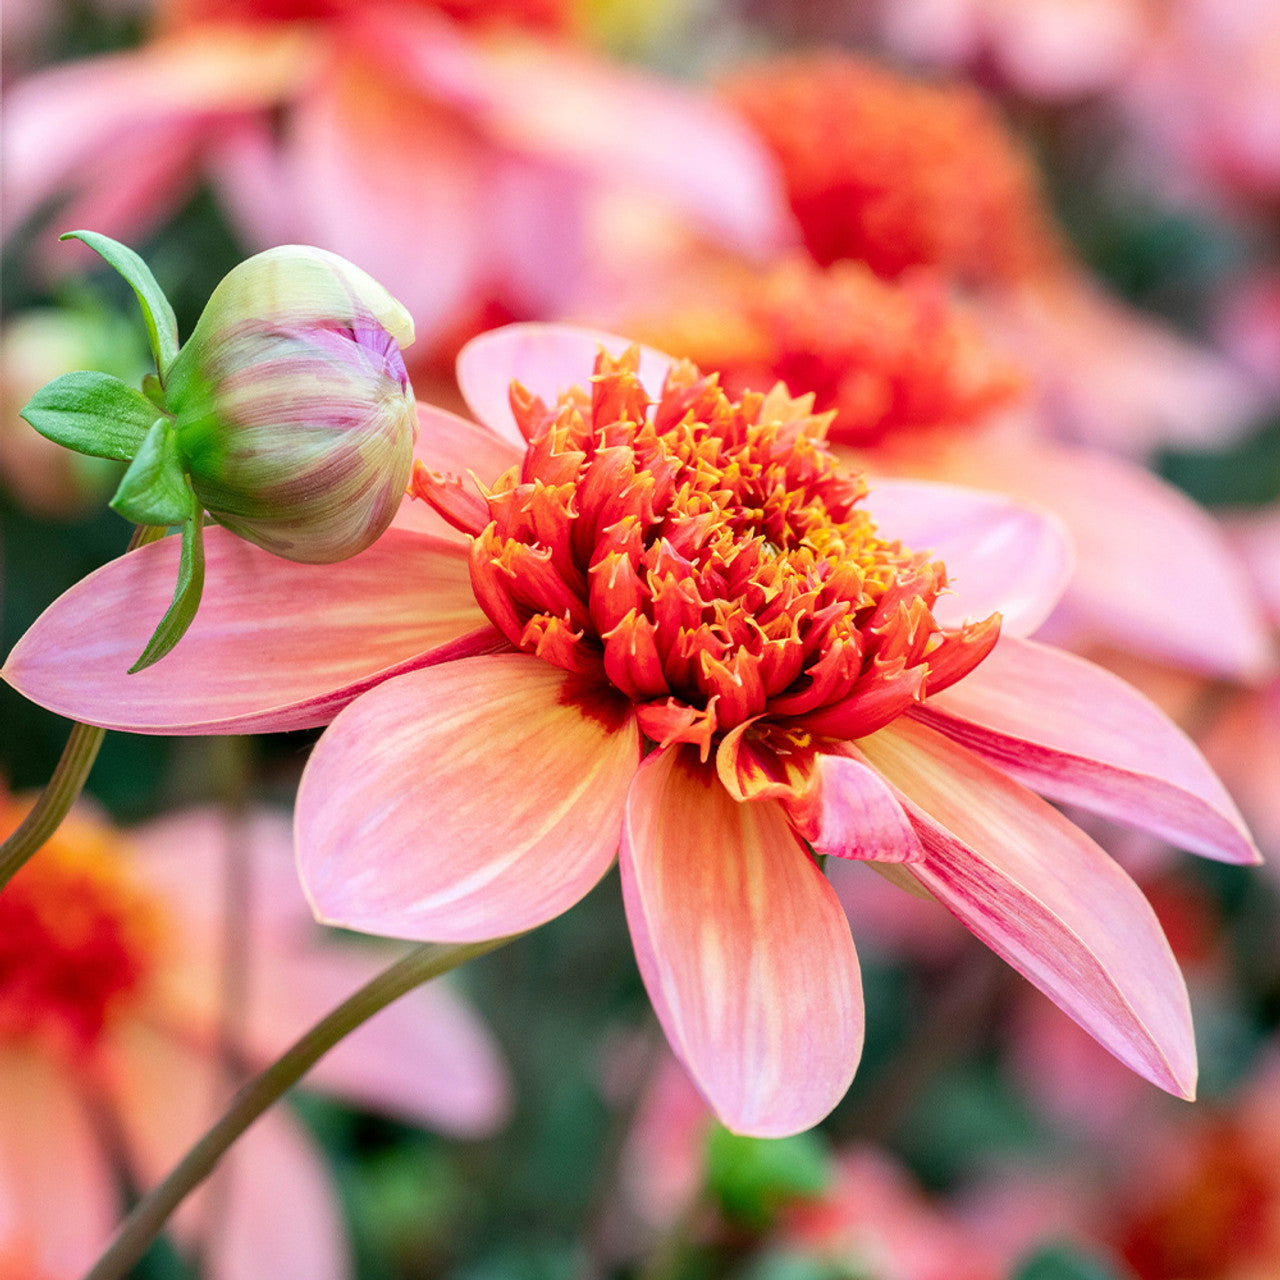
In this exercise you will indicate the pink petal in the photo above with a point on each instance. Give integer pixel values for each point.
(425, 1059)
(1143, 552)
(278, 1211)
(624, 129)
(463, 802)
(394, 184)
(547, 359)
(276, 645)
(849, 811)
(270, 1208)
(999, 555)
(58, 1202)
(1041, 894)
(743, 947)
(1076, 733)
(87, 115)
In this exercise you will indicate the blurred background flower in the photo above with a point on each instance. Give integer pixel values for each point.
(1029, 245)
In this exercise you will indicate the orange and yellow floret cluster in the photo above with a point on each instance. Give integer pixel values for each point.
(708, 558)
(77, 939)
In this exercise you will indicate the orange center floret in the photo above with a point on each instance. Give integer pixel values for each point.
(709, 559)
(898, 172)
(76, 940)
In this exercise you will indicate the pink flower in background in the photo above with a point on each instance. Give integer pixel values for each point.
(900, 172)
(682, 629)
(1047, 49)
(919, 389)
(456, 149)
(110, 995)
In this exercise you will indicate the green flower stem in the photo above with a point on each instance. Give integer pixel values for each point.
(140, 1228)
(69, 776)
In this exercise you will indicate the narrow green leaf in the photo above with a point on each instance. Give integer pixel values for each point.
(92, 413)
(186, 594)
(153, 389)
(155, 489)
(162, 326)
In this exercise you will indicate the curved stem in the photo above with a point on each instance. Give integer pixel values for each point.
(69, 777)
(141, 1227)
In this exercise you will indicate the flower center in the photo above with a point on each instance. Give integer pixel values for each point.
(709, 558)
(77, 938)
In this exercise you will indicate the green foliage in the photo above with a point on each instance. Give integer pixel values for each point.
(186, 594)
(92, 413)
(753, 1177)
(155, 489)
(1065, 1262)
(162, 327)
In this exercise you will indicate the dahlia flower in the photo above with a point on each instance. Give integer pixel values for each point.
(918, 388)
(111, 956)
(462, 150)
(679, 633)
(899, 172)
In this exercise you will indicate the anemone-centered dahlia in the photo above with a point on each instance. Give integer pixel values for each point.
(678, 633)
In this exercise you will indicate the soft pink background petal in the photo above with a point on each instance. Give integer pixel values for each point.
(999, 555)
(167, 1094)
(1039, 893)
(1074, 732)
(58, 1204)
(464, 802)
(426, 1059)
(547, 359)
(275, 645)
(1143, 552)
(743, 947)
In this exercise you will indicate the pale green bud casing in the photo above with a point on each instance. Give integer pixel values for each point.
(292, 406)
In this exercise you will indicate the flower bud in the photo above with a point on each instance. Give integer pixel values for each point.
(293, 410)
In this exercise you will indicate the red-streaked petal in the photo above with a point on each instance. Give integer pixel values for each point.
(999, 555)
(850, 811)
(1041, 894)
(464, 802)
(275, 645)
(1076, 733)
(743, 947)
(545, 358)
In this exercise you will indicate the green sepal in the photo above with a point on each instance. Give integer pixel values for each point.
(155, 488)
(162, 325)
(92, 413)
(153, 389)
(186, 594)
(754, 1177)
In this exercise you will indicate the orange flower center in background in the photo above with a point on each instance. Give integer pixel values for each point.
(897, 172)
(532, 15)
(709, 559)
(890, 358)
(77, 938)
